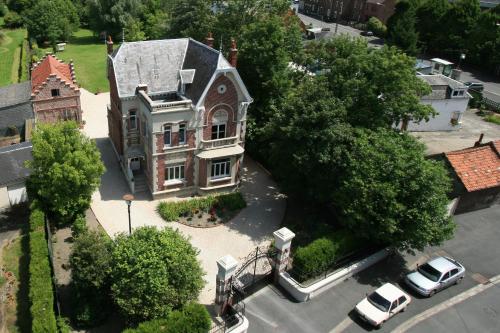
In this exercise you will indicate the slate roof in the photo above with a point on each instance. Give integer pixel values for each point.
(15, 94)
(15, 106)
(50, 65)
(478, 167)
(157, 64)
(12, 160)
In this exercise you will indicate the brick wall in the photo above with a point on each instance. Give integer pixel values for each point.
(50, 109)
(203, 173)
(114, 116)
(160, 168)
(229, 98)
(189, 169)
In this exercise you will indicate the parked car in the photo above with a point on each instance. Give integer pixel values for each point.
(477, 86)
(382, 304)
(367, 33)
(435, 275)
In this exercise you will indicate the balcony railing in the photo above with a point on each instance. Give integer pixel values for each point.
(218, 143)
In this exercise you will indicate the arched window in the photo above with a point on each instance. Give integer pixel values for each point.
(219, 121)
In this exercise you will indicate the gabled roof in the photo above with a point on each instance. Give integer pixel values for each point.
(15, 106)
(12, 160)
(158, 64)
(478, 167)
(15, 94)
(48, 66)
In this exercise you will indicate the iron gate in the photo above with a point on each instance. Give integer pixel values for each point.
(255, 268)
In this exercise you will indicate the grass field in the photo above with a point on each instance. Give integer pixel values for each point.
(10, 54)
(89, 57)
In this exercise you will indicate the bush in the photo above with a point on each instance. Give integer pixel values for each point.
(154, 272)
(193, 318)
(79, 226)
(315, 258)
(492, 118)
(3, 9)
(376, 26)
(477, 99)
(91, 266)
(40, 284)
(12, 20)
(63, 325)
(172, 211)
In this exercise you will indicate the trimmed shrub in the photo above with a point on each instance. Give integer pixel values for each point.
(172, 211)
(12, 20)
(315, 258)
(193, 318)
(40, 284)
(63, 325)
(376, 26)
(79, 226)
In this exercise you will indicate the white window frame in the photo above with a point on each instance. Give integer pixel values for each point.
(132, 119)
(182, 134)
(218, 133)
(220, 168)
(167, 128)
(175, 173)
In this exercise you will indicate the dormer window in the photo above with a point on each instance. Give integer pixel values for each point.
(458, 93)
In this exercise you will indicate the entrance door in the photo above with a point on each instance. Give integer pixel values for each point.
(135, 163)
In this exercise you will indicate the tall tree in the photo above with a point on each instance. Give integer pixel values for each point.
(401, 27)
(485, 40)
(66, 170)
(430, 27)
(112, 15)
(459, 24)
(390, 193)
(51, 20)
(191, 18)
(153, 273)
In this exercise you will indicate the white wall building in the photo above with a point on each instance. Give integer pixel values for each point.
(449, 98)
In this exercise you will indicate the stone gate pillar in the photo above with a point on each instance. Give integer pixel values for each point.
(226, 268)
(282, 243)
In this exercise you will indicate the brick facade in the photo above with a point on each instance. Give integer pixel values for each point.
(114, 115)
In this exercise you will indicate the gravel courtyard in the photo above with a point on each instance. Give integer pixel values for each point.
(253, 226)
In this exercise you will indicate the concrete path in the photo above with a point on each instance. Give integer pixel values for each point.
(252, 226)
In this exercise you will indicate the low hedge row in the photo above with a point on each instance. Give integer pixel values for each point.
(40, 284)
(193, 318)
(172, 211)
(319, 256)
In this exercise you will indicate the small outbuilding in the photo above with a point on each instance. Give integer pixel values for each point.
(14, 173)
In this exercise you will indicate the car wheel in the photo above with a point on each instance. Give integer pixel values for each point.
(404, 309)
(459, 280)
(379, 326)
(432, 293)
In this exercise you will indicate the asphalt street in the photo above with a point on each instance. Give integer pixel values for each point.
(475, 245)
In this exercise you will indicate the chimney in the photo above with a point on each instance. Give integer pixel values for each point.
(209, 40)
(233, 53)
(478, 142)
(109, 44)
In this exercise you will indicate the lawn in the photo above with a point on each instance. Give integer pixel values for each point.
(10, 54)
(89, 57)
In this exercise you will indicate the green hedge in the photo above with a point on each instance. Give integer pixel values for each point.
(318, 256)
(172, 211)
(40, 285)
(193, 318)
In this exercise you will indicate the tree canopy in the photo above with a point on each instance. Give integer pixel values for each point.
(401, 27)
(65, 171)
(153, 273)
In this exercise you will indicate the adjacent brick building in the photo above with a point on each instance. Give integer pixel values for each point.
(177, 116)
(54, 92)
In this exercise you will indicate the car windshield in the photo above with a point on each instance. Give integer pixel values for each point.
(429, 272)
(379, 302)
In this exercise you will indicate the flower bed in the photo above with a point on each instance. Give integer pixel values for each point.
(203, 212)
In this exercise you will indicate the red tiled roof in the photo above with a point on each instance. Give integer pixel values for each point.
(477, 167)
(50, 66)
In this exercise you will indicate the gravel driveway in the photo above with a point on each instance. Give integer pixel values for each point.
(252, 226)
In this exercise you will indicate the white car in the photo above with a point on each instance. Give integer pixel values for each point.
(435, 275)
(382, 304)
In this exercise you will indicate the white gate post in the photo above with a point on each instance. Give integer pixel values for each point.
(282, 242)
(226, 268)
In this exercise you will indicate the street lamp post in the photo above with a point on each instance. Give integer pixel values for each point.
(128, 199)
(462, 57)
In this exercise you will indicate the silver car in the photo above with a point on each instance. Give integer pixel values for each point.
(435, 275)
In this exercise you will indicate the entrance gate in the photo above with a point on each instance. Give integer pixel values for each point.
(255, 270)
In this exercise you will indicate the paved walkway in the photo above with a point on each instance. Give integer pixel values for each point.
(252, 226)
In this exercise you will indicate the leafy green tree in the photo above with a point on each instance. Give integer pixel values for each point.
(430, 15)
(308, 132)
(401, 28)
(112, 15)
(134, 31)
(153, 273)
(459, 22)
(376, 26)
(90, 261)
(12, 20)
(51, 20)
(191, 18)
(390, 193)
(378, 87)
(485, 40)
(66, 170)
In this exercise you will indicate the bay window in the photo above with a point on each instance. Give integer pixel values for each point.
(221, 168)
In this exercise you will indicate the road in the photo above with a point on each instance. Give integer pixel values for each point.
(475, 245)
